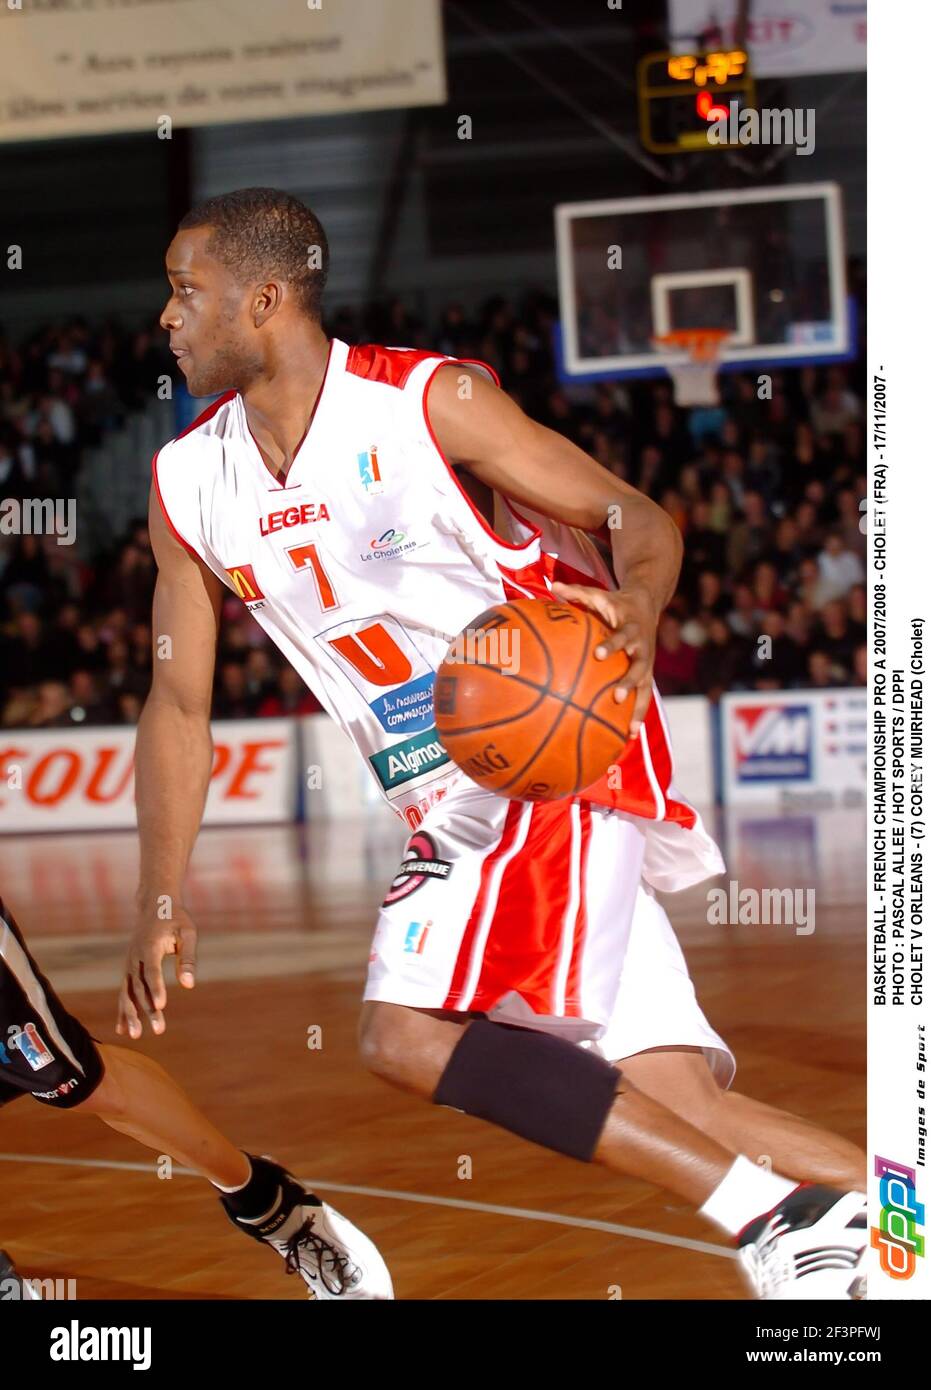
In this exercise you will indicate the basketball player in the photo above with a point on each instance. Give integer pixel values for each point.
(47, 1053)
(320, 488)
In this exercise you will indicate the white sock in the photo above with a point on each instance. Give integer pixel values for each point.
(745, 1192)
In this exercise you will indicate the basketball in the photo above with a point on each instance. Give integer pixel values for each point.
(523, 706)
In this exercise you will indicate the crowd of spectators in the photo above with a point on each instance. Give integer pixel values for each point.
(765, 489)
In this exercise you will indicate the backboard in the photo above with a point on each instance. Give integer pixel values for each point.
(766, 264)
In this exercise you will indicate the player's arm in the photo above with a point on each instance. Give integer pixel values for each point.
(174, 757)
(488, 434)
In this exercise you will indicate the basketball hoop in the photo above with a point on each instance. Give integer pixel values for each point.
(694, 377)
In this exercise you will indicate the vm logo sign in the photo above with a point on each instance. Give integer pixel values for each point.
(771, 742)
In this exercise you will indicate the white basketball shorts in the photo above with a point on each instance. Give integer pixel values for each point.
(534, 914)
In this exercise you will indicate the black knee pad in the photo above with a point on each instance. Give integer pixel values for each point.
(551, 1092)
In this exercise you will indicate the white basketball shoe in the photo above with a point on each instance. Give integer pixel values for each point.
(333, 1257)
(811, 1246)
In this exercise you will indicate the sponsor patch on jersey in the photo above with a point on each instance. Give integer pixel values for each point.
(420, 864)
(370, 471)
(389, 545)
(388, 669)
(409, 709)
(301, 514)
(397, 766)
(415, 938)
(70, 1085)
(31, 1045)
(246, 585)
(772, 742)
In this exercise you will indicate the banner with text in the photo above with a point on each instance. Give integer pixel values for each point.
(784, 37)
(84, 67)
(897, 508)
(82, 779)
(794, 748)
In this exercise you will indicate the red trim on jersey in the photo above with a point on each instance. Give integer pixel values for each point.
(661, 751)
(391, 366)
(603, 532)
(281, 484)
(504, 845)
(489, 530)
(561, 570)
(204, 415)
(639, 795)
(475, 362)
(161, 502)
(574, 978)
(530, 581)
(565, 573)
(663, 760)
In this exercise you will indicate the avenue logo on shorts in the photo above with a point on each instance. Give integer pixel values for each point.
(420, 863)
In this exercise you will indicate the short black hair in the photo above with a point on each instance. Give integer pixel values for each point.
(260, 233)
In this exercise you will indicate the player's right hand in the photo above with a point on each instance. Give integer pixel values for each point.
(143, 990)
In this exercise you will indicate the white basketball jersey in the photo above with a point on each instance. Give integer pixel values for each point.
(369, 559)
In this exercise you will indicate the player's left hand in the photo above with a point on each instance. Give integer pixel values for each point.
(631, 612)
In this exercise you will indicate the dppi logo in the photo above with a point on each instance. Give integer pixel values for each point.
(896, 1237)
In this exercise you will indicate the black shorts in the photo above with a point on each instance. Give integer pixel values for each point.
(44, 1051)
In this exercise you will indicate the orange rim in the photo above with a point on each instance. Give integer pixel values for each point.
(702, 344)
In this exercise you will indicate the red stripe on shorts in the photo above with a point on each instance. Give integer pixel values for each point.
(574, 978)
(461, 969)
(524, 942)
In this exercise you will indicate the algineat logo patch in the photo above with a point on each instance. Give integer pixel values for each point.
(401, 763)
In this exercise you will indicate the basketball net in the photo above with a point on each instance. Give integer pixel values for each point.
(694, 378)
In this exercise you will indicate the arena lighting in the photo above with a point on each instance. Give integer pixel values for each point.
(707, 107)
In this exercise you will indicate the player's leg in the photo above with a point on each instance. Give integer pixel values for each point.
(662, 1042)
(525, 918)
(683, 1080)
(46, 1052)
(137, 1097)
(574, 1102)
(632, 1133)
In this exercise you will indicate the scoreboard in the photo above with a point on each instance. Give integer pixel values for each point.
(682, 94)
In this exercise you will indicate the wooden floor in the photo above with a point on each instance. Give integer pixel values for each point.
(285, 917)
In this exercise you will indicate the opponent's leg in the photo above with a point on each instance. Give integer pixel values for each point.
(137, 1097)
(48, 1053)
(681, 1078)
